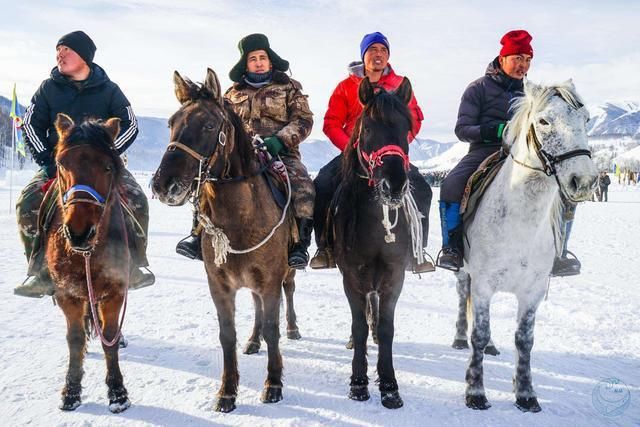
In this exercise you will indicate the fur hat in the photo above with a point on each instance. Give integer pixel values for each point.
(516, 42)
(251, 43)
(80, 43)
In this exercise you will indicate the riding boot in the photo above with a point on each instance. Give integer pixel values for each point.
(191, 246)
(450, 257)
(322, 259)
(35, 286)
(298, 255)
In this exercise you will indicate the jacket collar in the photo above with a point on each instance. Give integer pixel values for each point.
(495, 73)
(278, 78)
(97, 77)
(356, 69)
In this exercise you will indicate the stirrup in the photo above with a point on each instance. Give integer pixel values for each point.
(449, 267)
(425, 267)
(298, 260)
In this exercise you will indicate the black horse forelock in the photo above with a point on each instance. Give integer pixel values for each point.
(93, 133)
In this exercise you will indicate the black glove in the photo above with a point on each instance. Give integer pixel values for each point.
(492, 132)
(50, 170)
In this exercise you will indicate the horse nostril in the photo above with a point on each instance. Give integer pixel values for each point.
(385, 185)
(574, 183)
(92, 232)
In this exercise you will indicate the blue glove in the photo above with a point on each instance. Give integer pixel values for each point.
(274, 145)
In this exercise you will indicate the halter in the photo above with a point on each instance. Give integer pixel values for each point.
(548, 160)
(374, 159)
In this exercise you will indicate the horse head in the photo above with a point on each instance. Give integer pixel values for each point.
(201, 140)
(381, 143)
(89, 169)
(552, 120)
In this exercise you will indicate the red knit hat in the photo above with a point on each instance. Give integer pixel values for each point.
(516, 42)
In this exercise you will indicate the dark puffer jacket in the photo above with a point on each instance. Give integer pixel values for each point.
(486, 101)
(96, 98)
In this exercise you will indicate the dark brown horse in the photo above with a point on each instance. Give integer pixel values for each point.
(371, 260)
(87, 250)
(243, 244)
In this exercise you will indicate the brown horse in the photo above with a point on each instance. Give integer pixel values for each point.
(87, 250)
(210, 150)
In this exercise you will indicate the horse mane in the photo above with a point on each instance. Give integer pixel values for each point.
(379, 109)
(536, 98)
(92, 132)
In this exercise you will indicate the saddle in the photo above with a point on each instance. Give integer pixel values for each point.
(478, 183)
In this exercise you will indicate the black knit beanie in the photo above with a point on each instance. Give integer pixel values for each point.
(81, 44)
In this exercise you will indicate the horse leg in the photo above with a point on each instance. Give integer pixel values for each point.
(74, 310)
(225, 302)
(272, 391)
(373, 302)
(359, 332)
(526, 399)
(463, 288)
(253, 343)
(387, 377)
(110, 313)
(464, 307)
(475, 395)
(293, 333)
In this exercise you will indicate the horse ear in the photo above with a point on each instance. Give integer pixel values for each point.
(181, 88)
(365, 91)
(212, 83)
(63, 125)
(405, 91)
(112, 126)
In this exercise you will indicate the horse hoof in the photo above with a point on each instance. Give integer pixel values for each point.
(391, 399)
(271, 394)
(528, 404)
(460, 344)
(118, 399)
(477, 402)
(252, 347)
(123, 342)
(119, 405)
(293, 334)
(359, 393)
(491, 350)
(349, 344)
(225, 404)
(70, 402)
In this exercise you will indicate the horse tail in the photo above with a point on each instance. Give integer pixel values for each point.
(89, 327)
(469, 308)
(373, 313)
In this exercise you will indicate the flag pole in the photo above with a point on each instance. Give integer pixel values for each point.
(13, 147)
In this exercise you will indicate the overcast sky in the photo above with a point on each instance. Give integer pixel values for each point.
(441, 46)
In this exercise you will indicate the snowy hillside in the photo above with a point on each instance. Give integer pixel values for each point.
(586, 331)
(615, 118)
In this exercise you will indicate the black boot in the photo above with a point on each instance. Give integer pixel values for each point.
(564, 266)
(298, 255)
(450, 257)
(190, 247)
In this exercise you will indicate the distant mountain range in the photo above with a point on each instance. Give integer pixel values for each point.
(608, 121)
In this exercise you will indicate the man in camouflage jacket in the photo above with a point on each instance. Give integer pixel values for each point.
(272, 105)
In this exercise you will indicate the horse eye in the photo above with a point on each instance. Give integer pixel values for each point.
(109, 168)
(208, 127)
(543, 122)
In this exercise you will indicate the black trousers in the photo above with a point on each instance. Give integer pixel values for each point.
(452, 188)
(328, 180)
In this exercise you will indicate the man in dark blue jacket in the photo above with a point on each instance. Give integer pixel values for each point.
(82, 90)
(483, 114)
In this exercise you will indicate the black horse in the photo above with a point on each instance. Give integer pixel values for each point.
(373, 260)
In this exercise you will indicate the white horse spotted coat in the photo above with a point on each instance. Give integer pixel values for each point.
(513, 239)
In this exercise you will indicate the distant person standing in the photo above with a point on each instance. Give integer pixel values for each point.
(603, 185)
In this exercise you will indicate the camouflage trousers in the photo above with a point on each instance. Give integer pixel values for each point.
(30, 200)
(303, 192)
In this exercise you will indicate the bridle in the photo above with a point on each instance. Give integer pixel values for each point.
(374, 159)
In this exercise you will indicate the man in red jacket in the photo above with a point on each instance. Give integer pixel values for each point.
(339, 121)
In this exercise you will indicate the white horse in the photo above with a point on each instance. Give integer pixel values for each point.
(513, 238)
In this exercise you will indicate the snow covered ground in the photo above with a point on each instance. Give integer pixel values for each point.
(588, 330)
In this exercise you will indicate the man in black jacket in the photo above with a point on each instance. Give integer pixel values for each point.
(483, 114)
(82, 90)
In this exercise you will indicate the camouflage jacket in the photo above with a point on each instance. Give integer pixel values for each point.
(279, 108)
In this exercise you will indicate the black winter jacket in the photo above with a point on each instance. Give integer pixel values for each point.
(486, 101)
(97, 98)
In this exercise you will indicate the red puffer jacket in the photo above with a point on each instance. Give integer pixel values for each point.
(345, 108)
